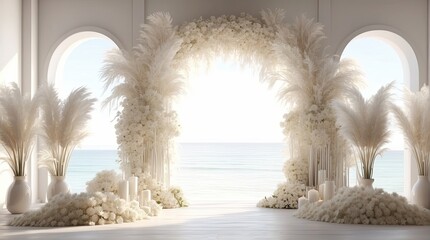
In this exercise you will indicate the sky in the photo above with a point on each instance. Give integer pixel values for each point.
(225, 103)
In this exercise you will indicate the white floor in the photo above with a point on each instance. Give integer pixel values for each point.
(218, 222)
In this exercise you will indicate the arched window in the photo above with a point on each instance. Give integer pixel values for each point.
(77, 62)
(385, 57)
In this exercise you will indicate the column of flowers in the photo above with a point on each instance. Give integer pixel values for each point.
(144, 83)
(310, 79)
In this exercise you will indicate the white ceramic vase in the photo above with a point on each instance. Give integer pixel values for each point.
(18, 196)
(58, 185)
(421, 192)
(366, 182)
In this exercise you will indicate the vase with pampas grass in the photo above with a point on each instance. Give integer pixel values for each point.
(63, 127)
(414, 120)
(18, 126)
(364, 123)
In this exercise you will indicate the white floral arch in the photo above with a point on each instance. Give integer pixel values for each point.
(148, 79)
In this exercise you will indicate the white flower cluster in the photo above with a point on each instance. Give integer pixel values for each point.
(296, 170)
(144, 128)
(167, 198)
(104, 181)
(316, 126)
(83, 209)
(360, 205)
(286, 196)
(244, 36)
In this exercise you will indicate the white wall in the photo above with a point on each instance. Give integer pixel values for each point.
(10, 40)
(58, 19)
(10, 65)
(187, 10)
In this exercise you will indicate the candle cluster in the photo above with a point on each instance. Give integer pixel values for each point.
(128, 190)
(313, 196)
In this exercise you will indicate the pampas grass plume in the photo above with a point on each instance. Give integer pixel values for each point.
(364, 123)
(18, 126)
(63, 126)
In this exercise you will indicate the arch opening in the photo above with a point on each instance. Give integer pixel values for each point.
(77, 62)
(385, 56)
(230, 134)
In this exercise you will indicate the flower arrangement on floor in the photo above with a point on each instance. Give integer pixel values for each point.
(104, 181)
(63, 128)
(285, 196)
(172, 197)
(364, 123)
(144, 82)
(108, 181)
(84, 209)
(18, 126)
(359, 205)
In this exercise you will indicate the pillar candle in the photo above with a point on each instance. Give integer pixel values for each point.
(145, 197)
(133, 187)
(321, 191)
(146, 194)
(123, 189)
(313, 196)
(329, 190)
(302, 201)
(321, 176)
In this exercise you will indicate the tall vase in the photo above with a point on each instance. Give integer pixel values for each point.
(421, 192)
(18, 196)
(366, 182)
(58, 185)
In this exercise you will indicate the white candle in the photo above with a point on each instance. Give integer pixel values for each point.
(321, 176)
(302, 201)
(321, 191)
(313, 196)
(133, 187)
(123, 189)
(329, 190)
(145, 197)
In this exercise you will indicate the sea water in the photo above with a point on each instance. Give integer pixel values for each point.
(226, 172)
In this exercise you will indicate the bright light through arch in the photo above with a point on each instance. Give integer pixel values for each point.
(77, 62)
(228, 103)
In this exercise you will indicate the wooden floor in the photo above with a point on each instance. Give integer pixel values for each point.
(218, 222)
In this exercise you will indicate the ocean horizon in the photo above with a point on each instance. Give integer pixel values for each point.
(226, 172)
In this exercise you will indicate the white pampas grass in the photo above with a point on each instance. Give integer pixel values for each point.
(63, 126)
(364, 123)
(414, 120)
(18, 125)
(144, 82)
(148, 65)
(308, 74)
